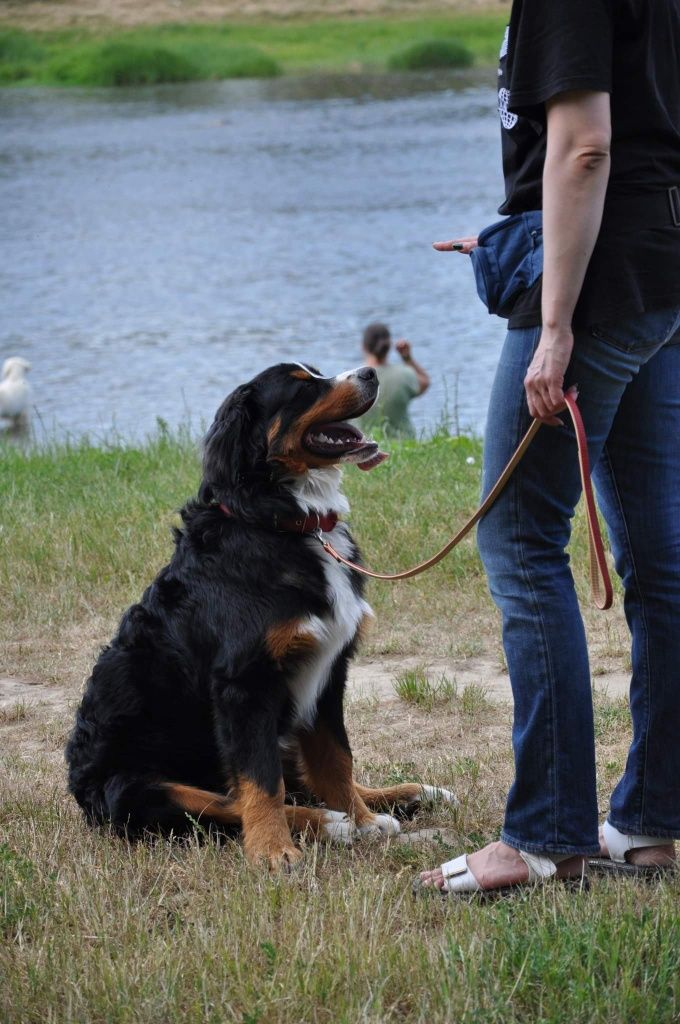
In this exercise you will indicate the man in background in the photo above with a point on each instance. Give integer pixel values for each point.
(400, 383)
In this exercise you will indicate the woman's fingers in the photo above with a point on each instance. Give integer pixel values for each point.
(464, 245)
(545, 377)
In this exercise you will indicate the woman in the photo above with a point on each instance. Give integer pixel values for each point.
(588, 98)
(400, 383)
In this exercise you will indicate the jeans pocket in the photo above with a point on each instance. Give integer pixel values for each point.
(639, 333)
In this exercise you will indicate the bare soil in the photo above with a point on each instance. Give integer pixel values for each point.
(54, 14)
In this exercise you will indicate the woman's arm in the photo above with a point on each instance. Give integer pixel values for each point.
(404, 349)
(575, 179)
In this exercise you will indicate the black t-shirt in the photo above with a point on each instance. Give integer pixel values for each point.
(630, 49)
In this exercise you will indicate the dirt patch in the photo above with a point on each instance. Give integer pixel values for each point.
(48, 14)
(375, 679)
(34, 718)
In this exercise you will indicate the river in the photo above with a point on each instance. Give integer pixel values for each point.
(161, 245)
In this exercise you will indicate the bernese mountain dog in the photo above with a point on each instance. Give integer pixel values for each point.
(220, 699)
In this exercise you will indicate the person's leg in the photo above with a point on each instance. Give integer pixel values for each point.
(638, 482)
(552, 805)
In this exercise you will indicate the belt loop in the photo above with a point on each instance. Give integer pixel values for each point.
(674, 201)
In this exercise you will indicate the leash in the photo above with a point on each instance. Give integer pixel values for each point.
(600, 582)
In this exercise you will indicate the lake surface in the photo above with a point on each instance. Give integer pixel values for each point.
(161, 245)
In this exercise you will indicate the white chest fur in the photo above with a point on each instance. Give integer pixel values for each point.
(332, 632)
(335, 630)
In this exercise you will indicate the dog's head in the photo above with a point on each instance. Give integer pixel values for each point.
(288, 420)
(14, 368)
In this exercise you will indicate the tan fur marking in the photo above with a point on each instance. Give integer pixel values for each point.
(327, 771)
(390, 796)
(364, 628)
(202, 803)
(339, 404)
(266, 835)
(286, 640)
(305, 819)
(301, 375)
(273, 431)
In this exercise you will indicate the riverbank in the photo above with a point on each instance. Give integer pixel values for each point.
(113, 54)
(99, 931)
(46, 14)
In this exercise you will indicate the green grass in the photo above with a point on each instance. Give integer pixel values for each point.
(85, 528)
(237, 49)
(414, 686)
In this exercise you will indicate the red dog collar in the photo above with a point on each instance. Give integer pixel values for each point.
(306, 524)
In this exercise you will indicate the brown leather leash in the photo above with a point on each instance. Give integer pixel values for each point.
(600, 582)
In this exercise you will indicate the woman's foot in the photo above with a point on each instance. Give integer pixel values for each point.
(499, 865)
(661, 856)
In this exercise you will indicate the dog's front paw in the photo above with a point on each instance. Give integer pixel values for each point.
(337, 827)
(379, 825)
(279, 858)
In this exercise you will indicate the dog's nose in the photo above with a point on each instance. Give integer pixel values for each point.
(366, 373)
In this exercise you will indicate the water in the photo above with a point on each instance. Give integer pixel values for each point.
(161, 245)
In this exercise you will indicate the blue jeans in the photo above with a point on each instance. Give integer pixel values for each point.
(628, 376)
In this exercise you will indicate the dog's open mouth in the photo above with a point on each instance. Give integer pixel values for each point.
(343, 442)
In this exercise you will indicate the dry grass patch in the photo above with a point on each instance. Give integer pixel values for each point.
(97, 930)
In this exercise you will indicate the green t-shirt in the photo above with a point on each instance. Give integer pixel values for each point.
(398, 385)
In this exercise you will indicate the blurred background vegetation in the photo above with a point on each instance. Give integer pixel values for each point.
(116, 55)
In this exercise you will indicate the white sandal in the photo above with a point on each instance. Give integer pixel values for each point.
(459, 879)
(618, 846)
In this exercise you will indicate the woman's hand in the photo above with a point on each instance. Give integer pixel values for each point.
(403, 347)
(544, 380)
(464, 245)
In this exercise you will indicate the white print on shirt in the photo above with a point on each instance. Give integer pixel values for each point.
(508, 120)
(504, 44)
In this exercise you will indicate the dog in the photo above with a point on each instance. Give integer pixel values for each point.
(15, 391)
(220, 699)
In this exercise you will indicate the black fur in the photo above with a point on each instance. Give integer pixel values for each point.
(187, 691)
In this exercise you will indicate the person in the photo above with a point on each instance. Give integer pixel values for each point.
(399, 383)
(590, 124)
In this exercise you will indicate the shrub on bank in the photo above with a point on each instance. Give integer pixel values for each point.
(431, 54)
(19, 54)
(121, 64)
(134, 63)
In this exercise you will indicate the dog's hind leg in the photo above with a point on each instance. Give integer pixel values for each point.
(406, 796)
(402, 795)
(202, 804)
(135, 804)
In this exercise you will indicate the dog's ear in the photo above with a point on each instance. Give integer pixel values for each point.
(234, 444)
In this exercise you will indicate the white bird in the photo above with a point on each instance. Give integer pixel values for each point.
(15, 391)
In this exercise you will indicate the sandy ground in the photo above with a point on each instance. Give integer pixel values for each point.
(375, 679)
(368, 680)
(48, 14)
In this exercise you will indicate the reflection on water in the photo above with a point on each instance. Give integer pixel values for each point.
(161, 245)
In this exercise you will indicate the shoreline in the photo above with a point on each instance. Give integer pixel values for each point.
(109, 53)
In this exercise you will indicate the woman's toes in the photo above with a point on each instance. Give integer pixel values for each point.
(432, 878)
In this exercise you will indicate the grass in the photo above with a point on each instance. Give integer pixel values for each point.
(95, 930)
(175, 52)
(84, 528)
(414, 686)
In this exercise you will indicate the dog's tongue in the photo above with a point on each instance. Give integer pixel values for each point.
(374, 460)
